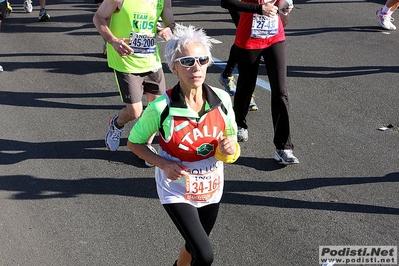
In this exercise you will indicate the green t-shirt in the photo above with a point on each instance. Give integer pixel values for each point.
(136, 20)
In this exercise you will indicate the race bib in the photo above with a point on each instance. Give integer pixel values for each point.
(201, 187)
(263, 26)
(142, 43)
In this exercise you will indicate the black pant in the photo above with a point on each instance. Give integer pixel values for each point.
(276, 67)
(232, 61)
(195, 225)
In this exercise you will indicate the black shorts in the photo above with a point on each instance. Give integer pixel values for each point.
(98, 1)
(132, 86)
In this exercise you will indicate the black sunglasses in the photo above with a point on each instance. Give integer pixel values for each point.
(189, 61)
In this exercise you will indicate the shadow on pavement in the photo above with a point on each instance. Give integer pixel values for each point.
(29, 187)
(41, 99)
(12, 152)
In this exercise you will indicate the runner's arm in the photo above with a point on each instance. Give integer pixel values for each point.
(241, 6)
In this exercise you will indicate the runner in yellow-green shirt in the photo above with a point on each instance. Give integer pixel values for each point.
(133, 54)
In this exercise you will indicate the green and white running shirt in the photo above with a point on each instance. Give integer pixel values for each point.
(191, 139)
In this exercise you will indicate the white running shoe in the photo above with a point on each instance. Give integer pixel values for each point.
(385, 20)
(113, 137)
(28, 6)
(285, 157)
(242, 134)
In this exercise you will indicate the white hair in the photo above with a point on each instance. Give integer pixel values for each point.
(182, 36)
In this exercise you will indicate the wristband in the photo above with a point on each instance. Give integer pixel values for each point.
(228, 158)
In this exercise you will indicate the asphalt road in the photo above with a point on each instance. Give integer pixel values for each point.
(66, 200)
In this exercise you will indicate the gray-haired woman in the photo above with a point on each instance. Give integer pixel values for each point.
(197, 134)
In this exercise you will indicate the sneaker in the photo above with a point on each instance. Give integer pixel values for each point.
(28, 6)
(154, 151)
(285, 157)
(385, 20)
(113, 137)
(43, 15)
(252, 105)
(228, 83)
(9, 7)
(242, 134)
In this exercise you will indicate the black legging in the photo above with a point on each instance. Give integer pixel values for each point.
(232, 61)
(276, 68)
(195, 225)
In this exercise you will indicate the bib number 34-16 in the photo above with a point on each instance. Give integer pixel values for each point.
(200, 188)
